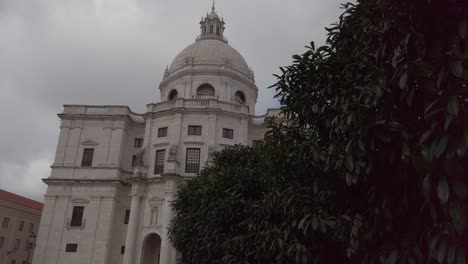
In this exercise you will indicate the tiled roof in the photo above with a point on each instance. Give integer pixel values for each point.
(14, 198)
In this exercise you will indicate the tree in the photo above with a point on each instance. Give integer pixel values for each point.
(370, 167)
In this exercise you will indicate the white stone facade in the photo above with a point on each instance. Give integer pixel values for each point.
(210, 86)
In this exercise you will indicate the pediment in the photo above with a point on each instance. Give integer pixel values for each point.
(156, 199)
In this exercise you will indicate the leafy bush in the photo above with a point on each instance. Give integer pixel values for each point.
(371, 165)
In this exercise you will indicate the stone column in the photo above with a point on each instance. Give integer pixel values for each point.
(168, 252)
(132, 230)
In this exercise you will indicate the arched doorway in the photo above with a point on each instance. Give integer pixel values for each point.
(151, 249)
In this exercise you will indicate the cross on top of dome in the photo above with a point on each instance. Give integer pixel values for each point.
(212, 26)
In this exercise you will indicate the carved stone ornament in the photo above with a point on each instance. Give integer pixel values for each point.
(79, 200)
(89, 142)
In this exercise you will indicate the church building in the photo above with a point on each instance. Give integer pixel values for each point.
(116, 172)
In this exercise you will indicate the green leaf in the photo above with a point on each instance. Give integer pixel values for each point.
(443, 190)
(452, 107)
(349, 163)
(462, 29)
(460, 256)
(451, 254)
(425, 136)
(392, 258)
(441, 251)
(441, 146)
(314, 222)
(403, 80)
(460, 189)
(448, 121)
(427, 188)
(456, 68)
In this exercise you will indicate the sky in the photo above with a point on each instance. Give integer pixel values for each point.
(56, 52)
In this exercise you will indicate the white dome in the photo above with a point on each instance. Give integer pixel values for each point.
(210, 51)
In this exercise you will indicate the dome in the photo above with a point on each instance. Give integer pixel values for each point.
(210, 51)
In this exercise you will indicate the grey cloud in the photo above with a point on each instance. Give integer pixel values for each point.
(55, 52)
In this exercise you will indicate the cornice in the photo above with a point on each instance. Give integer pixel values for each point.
(219, 72)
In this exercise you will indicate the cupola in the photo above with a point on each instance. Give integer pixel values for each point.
(212, 26)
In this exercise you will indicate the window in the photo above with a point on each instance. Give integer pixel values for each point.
(77, 216)
(217, 31)
(205, 91)
(31, 227)
(13, 261)
(87, 157)
(24, 262)
(204, 31)
(21, 226)
(162, 132)
(5, 222)
(211, 29)
(138, 143)
(239, 97)
(194, 130)
(134, 157)
(122, 250)
(159, 161)
(17, 243)
(71, 248)
(127, 217)
(228, 133)
(173, 95)
(2, 241)
(256, 143)
(27, 246)
(192, 160)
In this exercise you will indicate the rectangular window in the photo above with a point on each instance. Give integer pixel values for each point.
(71, 248)
(211, 29)
(194, 130)
(13, 261)
(256, 143)
(5, 222)
(2, 241)
(127, 217)
(17, 243)
(24, 262)
(159, 161)
(192, 160)
(162, 132)
(228, 133)
(134, 157)
(21, 226)
(27, 246)
(77, 216)
(122, 250)
(217, 31)
(31, 227)
(87, 157)
(138, 143)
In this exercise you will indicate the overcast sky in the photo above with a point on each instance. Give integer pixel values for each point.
(55, 52)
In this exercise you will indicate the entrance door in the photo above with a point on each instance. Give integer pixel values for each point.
(151, 249)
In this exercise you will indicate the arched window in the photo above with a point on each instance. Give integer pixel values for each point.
(172, 95)
(239, 97)
(217, 31)
(205, 91)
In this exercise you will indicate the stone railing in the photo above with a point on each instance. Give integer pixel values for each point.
(198, 104)
(108, 110)
(262, 120)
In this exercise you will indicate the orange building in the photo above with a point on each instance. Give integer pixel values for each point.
(19, 221)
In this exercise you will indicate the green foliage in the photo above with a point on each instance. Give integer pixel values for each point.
(371, 165)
